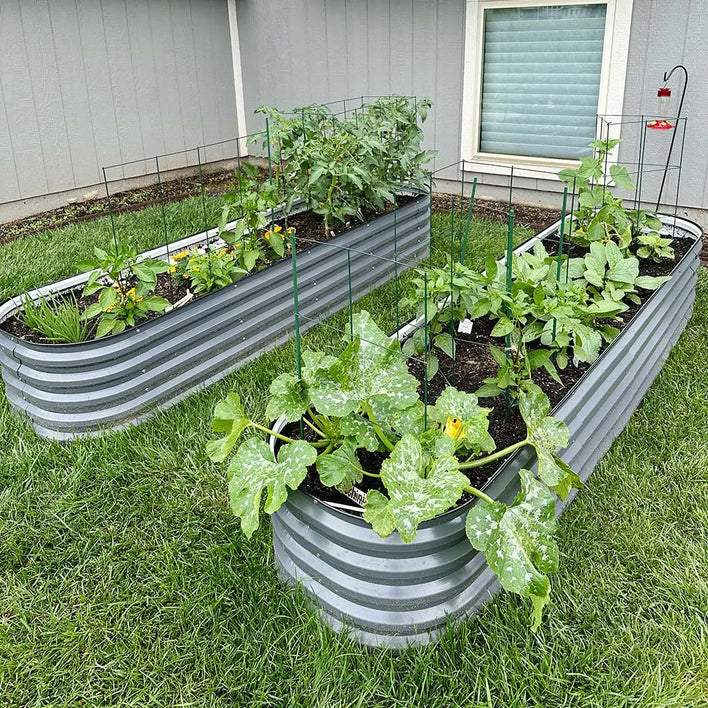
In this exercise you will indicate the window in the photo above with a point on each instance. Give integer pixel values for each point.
(537, 73)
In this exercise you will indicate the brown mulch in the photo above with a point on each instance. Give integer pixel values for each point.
(532, 215)
(121, 202)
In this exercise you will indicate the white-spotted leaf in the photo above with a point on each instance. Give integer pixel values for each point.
(417, 494)
(254, 469)
(517, 540)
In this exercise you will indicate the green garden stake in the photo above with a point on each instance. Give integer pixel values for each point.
(452, 275)
(425, 351)
(570, 228)
(270, 158)
(509, 251)
(204, 213)
(351, 300)
(296, 312)
(238, 169)
(511, 185)
(465, 238)
(110, 210)
(296, 306)
(164, 222)
(462, 185)
(509, 276)
(559, 261)
(430, 235)
(561, 233)
(640, 177)
(304, 140)
(395, 258)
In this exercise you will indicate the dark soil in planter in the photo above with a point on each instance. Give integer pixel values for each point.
(474, 363)
(309, 229)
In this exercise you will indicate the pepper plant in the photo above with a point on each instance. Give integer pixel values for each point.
(365, 399)
(128, 296)
(204, 271)
(251, 207)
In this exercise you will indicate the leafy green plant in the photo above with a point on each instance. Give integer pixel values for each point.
(57, 320)
(654, 246)
(127, 297)
(345, 166)
(600, 216)
(453, 293)
(205, 271)
(250, 207)
(366, 399)
(611, 275)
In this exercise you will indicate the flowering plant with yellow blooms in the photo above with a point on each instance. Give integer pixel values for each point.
(204, 271)
(362, 422)
(127, 296)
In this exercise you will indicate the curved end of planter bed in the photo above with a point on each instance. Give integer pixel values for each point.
(75, 390)
(390, 594)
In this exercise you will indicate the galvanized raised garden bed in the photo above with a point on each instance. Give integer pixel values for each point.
(69, 390)
(392, 594)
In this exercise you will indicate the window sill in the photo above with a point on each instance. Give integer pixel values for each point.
(528, 167)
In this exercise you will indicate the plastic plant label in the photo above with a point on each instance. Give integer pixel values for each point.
(356, 495)
(465, 327)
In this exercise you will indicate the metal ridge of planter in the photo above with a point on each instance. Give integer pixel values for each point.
(393, 595)
(73, 390)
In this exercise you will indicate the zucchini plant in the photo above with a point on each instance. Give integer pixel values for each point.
(365, 399)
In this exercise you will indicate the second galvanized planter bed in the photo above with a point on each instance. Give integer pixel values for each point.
(70, 390)
(391, 594)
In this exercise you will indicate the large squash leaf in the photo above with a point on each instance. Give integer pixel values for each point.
(416, 494)
(254, 469)
(547, 434)
(370, 370)
(518, 541)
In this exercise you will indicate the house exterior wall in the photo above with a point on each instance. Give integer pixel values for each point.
(296, 52)
(85, 84)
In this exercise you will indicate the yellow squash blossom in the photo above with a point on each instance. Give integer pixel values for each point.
(454, 428)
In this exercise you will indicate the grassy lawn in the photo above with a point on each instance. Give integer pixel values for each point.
(126, 582)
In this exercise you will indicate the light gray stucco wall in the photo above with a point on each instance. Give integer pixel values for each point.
(85, 83)
(296, 52)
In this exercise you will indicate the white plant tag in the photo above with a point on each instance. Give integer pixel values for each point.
(576, 362)
(465, 327)
(356, 495)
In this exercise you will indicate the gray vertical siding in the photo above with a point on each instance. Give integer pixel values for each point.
(333, 49)
(662, 37)
(321, 51)
(85, 83)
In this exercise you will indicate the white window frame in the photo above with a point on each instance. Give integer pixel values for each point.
(241, 127)
(615, 51)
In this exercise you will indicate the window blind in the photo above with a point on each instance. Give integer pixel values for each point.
(541, 79)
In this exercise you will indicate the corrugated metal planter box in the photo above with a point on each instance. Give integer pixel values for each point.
(69, 390)
(391, 594)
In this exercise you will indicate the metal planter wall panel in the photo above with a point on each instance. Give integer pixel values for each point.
(391, 594)
(70, 390)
